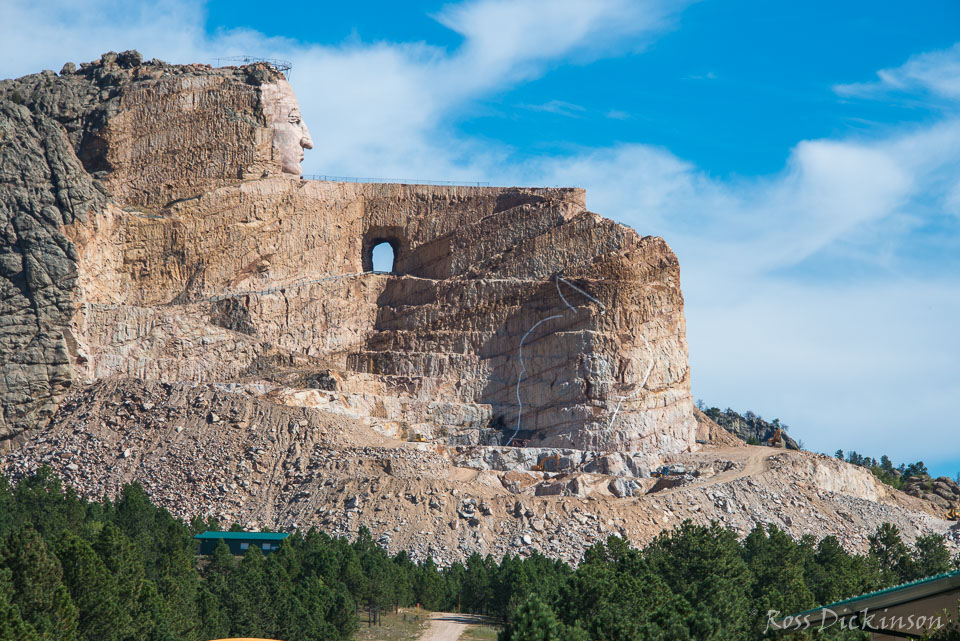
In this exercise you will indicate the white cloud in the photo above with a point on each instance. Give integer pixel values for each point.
(385, 110)
(558, 107)
(375, 109)
(506, 39)
(35, 36)
(936, 71)
(829, 189)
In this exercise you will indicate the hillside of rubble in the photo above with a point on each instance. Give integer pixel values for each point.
(183, 310)
(232, 452)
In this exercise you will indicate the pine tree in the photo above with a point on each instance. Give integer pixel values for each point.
(124, 562)
(477, 590)
(833, 574)
(213, 620)
(175, 575)
(703, 565)
(250, 611)
(428, 585)
(931, 555)
(154, 624)
(42, 501)
(891, 555)
(38, 590)
(614, 596)
(12, 625)
(777, 565)
(305, 619)
(533, 621)
(93, 590)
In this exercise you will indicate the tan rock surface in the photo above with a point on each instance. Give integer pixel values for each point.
(280, 263)
(223, 340)
(515, 308)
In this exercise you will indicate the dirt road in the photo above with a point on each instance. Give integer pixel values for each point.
(448, 626)
(755, 463)
(755, 460)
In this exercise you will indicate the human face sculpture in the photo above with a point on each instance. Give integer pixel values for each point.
(290, 133)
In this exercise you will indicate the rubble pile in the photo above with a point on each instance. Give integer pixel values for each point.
(230, 452)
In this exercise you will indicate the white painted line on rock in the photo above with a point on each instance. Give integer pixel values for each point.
(642, 385)
(523, 370)
(523, 367)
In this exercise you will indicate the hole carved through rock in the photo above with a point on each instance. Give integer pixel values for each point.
(380, 255)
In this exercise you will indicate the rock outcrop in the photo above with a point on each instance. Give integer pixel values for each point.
(512, 316)
(941, 491)
(75, 148)
(43, 188)
(217, 331)
(752, 428)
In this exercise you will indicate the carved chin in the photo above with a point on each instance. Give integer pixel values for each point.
(292, 167)
(290, 162)
(286, 145)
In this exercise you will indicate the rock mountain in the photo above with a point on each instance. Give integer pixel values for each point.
(182, 309)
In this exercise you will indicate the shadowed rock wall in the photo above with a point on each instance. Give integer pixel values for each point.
(114, 131)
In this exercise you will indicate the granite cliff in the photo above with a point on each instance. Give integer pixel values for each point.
(188, 253)
(182, 309)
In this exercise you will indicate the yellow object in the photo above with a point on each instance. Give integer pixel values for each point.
(418, 438)
(953, 514)
(542, 465)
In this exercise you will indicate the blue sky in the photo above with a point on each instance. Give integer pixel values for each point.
(732, 86)
(802, 159)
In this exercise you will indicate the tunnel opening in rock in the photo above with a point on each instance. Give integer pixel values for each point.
(381, 256)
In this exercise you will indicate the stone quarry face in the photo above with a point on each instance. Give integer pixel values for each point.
(514, 316)
(219, 336)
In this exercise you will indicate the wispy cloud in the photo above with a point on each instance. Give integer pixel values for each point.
(558, 107)
(936, 71)
(703, 76)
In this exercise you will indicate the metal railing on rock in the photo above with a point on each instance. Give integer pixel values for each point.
(400, 181)
(283, 66)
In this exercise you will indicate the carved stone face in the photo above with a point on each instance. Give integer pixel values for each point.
(290, 133)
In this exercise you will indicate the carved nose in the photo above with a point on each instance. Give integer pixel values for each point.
(306, 141)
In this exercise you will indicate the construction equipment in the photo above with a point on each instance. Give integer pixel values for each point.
(669, 470)
(418, 438)
(541, 466)
(953, 514)
(776, 439)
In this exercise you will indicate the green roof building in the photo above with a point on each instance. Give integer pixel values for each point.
(910, 611)
(239, 542)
